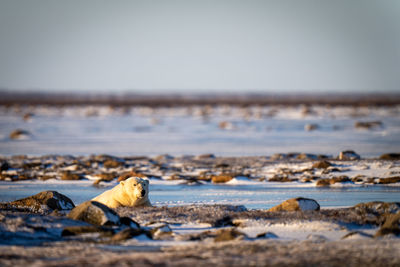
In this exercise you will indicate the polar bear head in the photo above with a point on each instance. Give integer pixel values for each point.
(137, 190)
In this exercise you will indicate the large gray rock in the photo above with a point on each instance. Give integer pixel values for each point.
(297, 204)
(95, 213)
(44, 201)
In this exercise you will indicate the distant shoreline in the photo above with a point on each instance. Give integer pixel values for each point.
(172, 100)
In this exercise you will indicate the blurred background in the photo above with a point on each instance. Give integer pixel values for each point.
(188, 77)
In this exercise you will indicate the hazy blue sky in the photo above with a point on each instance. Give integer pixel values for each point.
(271, 46)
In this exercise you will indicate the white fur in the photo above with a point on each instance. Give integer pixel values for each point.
(127, 193)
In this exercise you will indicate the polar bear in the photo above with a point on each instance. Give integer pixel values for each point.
(133, 192)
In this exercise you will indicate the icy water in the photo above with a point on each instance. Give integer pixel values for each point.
(224, 130)
(254, 195)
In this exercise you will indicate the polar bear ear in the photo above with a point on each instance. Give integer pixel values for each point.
(122, 182)
(146, 181)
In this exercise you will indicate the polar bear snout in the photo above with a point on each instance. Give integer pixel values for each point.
(143, 192)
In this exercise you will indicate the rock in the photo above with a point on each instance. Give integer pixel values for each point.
(126, 233)
(323, 164)
(112, 163)
(221, 178)
(334, 180)
(27, 116)
(46, 200)
(129, 222)
(19, 134)
(70, 176)
(267, 235)
(228, 234)
(104, 177)
(226, 125)
(164, 158)
(280, 178)
(78, 230)
(357, 235)
(349, 155)
(126, 175)
(161, 231)
(278, 156)
(323, 182)
(389, 180)
(391, 226)
(390, 156)
(378, 207)
(4, 166)
(368, 124)
(94, 213)
(205, 156)
(310, 127)
(296, 204)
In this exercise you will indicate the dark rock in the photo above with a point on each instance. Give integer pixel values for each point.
(389, 180)
(349, 155)
(390, 156)
(4, 166)
(323, 164)
(95, 213)
(267, 235)
(222, 222)
(126, 234)
(46, 200)
(368, 124)
(78, 230)
(323, 182)
(205, 156)
(357, 235)
(296, 204)
(129, 222)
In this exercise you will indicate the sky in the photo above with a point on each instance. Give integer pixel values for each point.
(198, 46)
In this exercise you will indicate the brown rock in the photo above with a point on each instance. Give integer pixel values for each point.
(323, 182)
(127, 233)
(228, 235)
(46, 200)
(390, 156)
(70, 176)
(19, 133)
(389, 180)
(368, 124)
(78, 230)
(323, 164)
(280, 178)
(126, 175)
(94, 213)
(391, 226)
(296, 204)
(112, 163)
(104, 177)
(221, 178)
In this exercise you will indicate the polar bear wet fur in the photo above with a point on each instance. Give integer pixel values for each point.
(133, 192)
